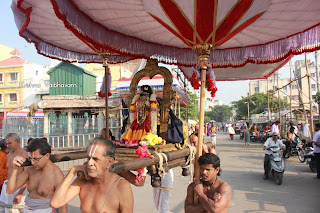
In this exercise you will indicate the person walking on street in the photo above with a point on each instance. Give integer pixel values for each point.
(275, 128)
(213, 134)
(246, 136)
(316, 149)
(231, 131)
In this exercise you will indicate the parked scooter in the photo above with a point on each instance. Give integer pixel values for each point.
(295, 150)
(309, 158)
(277, 164)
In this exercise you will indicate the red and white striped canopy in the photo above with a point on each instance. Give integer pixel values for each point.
(242, 31)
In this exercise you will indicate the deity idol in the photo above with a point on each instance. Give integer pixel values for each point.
(143, 117)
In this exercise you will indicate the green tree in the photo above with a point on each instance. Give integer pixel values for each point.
(193, 113)
(219, 113)
(257, 104)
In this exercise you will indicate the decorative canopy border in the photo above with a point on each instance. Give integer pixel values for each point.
(22, 19)
(275, 51)
(98, 36)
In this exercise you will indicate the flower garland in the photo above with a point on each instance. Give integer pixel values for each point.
(142, 152)
(133, 108)
(154, 113)
(102, 95)
(210, 79)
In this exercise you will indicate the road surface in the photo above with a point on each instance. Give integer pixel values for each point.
(242, 168)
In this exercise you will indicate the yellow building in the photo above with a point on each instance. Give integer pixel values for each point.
(11, 73)
(118, 71)
(19, 83)
(5, 52)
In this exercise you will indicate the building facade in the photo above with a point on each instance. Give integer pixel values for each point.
(69, 79)
(263, 86)
(301, 72)
(19, 81)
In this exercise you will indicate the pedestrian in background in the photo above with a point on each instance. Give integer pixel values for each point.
(316, 149)
(231, 131)
(246, 136)
(3, 162)
(275, 128)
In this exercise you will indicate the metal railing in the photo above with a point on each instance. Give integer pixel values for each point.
(62, 141)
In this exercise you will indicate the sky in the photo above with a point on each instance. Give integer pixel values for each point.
(9, 36)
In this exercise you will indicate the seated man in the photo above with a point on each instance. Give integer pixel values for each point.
(99, 190)
(274, 141)
(42, 177)
(213, 193)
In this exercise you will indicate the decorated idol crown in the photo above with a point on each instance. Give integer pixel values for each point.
(146, 88)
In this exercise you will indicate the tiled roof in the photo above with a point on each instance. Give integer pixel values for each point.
(13, 61)
(15, 52)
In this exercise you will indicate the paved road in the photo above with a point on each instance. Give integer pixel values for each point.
(242, 168)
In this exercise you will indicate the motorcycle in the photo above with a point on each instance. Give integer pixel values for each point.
(241, 135)
(295, 150)
(264, 135)
(254, 137)
(309, 158)
(277, 164)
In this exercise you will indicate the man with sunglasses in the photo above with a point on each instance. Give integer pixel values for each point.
(43, 177)
(7, 200)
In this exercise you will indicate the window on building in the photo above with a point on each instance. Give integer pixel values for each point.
(313, 75)
(256, 89)
(294, 86)
(13, 97)
(313, 87)
(0, 98)
(37, 72)
(295, 97)
(1, 77)
(274, 88)
(13, 76)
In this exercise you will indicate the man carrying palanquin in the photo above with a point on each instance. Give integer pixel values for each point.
(100, 190)
(213, 193)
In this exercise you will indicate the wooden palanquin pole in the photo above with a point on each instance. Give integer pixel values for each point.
(203, 51)
(105, 57)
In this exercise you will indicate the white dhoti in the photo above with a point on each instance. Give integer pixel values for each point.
(6, 201)
(214, 139)
(161, 195)
(38, 206)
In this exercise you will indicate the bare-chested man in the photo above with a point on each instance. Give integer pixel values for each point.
(42, 177)
(6, 200)
(213, 193)
(100, 190)
(213, 134)
(208, 147)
